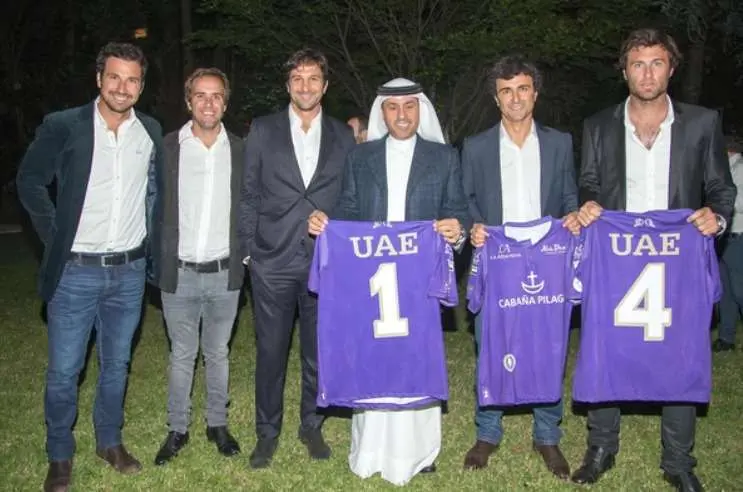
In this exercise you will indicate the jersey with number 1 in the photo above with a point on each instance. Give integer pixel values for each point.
(522, 284)
(380, 341)
(649, 283)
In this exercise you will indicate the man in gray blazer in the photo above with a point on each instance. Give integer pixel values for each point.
(202, 271)
(518, 171)
(293, 164)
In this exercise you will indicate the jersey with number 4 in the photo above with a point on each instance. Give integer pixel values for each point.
(649, 283)
(380, 341)
(521, 282)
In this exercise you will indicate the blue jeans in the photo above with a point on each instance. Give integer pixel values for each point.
(109, 298)
(546, 427)
(200, 298)
(731, 275)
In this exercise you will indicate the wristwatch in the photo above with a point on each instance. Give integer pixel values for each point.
(722, 224)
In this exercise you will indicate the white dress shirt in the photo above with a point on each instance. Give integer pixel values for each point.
(520, 177)
(306, 144)
(204, 197)
(648, 170)
(736, 169)
(399, 155)
(113, 214)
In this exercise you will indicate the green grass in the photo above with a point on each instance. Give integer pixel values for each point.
(199, 468)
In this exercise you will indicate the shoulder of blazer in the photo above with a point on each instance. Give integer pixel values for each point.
(152, 126)
(690, 112)
(559, 138)
(484, 137)
(171, 139)
(235, 141)
(607, 116)
(65, 120)
(364, 151)
(436, 148)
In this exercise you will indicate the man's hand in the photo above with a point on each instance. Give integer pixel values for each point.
(571, 222)
(589, 212)
(317, 222)
(705, 220)
(450, 229)
(478, 234)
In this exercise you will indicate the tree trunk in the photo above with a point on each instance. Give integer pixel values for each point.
(692, 87)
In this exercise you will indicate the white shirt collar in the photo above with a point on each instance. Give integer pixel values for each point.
(406, 145)
(668, 121)
(296, 122)
(102, 122)
(186, 133)
(505, 136)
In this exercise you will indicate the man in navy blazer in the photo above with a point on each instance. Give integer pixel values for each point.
(97, 237)
(293, 164)
(518, 171)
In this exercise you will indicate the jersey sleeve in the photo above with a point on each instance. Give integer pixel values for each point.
(476, 281)
(319, 259)
(443, 285)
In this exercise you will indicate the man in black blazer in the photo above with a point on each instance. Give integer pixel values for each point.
(683, 147)
(201, 267)
(293, 163)
(518, 171)
(99, 236)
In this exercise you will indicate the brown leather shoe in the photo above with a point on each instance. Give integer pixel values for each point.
(120, 459)
(554, 459)
(58, 477)
(477, 457)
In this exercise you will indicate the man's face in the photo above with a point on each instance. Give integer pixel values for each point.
(120, 84)
(648, 71)
(402, 116)
(306, 86)
(207, 104)
(516, 97)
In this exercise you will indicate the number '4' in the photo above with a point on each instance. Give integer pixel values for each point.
(648, 290)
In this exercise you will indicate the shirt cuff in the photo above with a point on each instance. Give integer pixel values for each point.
(246, 260)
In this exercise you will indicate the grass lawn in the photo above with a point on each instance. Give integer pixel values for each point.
(199, 468)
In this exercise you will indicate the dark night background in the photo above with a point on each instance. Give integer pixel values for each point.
(48, 49)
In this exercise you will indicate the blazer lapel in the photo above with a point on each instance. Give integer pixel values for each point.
(418, 167)
(327, 139)
(616, 148)
(678, 139)
(494, 204)
(378, 169)
(546, 167)
(287, 145)
(84, 143)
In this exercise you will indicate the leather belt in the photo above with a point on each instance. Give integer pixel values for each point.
(206, 267)
(107, 259)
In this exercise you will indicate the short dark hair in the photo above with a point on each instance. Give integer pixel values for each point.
(307, 56)
(645, 37)
(363, 122)
(509, 67)
(206, 72)
(125, 51)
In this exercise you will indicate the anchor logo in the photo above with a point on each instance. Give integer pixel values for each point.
(533, 287)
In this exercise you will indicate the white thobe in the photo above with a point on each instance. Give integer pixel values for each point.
(395, 443)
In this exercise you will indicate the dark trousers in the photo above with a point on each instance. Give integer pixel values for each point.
(678, 424)
(276, 295)
(731, 275)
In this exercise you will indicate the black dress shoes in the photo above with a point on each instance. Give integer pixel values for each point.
(120, 459)
(595, 463)
(554, 459)
(170, 448)
(316, 445)
(478, 455)
(263, 452)
(685, 482)
(429, 469)
(58, 476)
(226, 444)
(720, 345)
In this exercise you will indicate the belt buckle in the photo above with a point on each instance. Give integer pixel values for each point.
(107, 260)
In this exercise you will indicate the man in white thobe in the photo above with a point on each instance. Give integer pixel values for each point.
(404, 140)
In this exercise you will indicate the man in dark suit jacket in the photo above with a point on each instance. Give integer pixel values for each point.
(201, 267)
(404, 172)
(518, 171)
(293, 164)
(683, 147)
(106, 159)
